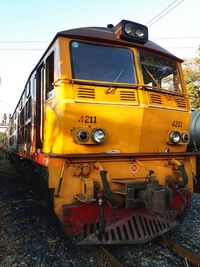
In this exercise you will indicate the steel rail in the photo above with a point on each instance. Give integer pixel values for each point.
(185, 252)
(105, 258)
(108, 259)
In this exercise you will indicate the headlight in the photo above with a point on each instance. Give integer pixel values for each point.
(98, 136)
(140, 33)
(134, 31)
(82, 135)
(129, 28)
(175, 137)
(185, 137)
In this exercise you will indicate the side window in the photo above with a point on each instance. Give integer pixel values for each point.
(160, 72)
(29, 111)
(28, 89)
(22, 117)
(49, 74)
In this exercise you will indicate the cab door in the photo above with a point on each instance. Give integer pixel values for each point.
(39, 106)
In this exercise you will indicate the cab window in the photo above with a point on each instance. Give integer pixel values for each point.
(159, 72)
(102, 63)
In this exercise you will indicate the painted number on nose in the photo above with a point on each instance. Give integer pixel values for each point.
(134, 168)
(88, 119)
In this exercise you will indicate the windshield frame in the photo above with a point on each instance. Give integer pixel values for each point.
(158, 88)
(114, 82)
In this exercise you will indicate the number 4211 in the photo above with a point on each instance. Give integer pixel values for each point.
(88, 119)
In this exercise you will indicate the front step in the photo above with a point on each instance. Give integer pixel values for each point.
(137, 228)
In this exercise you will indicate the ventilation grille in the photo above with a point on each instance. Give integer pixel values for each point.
(180, 102)
(155, 99)
(86, 93)
(127, 96)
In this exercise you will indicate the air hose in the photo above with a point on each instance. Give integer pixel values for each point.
(109, 194)
(184, 176)
(102, 224)
(183, 172)
(111, 199)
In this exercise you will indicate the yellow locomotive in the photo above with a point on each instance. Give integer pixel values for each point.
(104, 121)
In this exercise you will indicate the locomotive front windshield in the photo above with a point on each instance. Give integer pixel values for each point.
(160, 72)
(102, 63)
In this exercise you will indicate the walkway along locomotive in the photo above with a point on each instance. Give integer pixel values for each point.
(104, 122)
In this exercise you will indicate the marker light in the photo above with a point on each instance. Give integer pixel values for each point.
(175, 137)
(185, 137)
(98, 136)
(82, 135)
(132, 31)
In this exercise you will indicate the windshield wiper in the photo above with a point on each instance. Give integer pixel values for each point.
(109, 89)
(153, 79)
(119, 75)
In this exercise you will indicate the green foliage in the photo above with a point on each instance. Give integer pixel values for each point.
(191, 71)
(1, 137)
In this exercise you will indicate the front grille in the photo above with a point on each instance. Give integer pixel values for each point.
(155, 99)
(180, 102)
(85, 93)
(127, 96)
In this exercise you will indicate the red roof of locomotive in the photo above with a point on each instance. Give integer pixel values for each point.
(107, 35)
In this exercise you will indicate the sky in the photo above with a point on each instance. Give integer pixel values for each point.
(27, 28)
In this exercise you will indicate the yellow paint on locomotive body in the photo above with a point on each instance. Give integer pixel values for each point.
(134, 119)
(129, 129)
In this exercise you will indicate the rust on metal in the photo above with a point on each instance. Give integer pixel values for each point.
(187, 253)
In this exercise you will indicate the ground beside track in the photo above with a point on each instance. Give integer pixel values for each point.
(30, 236)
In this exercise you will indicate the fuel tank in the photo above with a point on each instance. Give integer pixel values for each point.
(194, 144)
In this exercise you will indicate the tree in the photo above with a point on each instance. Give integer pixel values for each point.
(1, 137)
(191, 69)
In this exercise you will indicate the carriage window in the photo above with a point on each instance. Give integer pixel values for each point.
(160, 72)
(28, 133)
(28, 89)
(21, 104)
(49, 74)
(22, 117)
(29, 108)
(102, 63)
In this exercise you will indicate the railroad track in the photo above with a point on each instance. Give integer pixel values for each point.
(108, 260)
(186, 253)
(105, 258)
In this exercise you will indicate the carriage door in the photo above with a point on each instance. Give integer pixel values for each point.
(39, 106)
